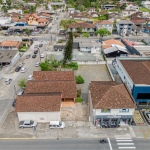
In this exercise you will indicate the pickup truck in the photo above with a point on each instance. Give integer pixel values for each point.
(27, 124)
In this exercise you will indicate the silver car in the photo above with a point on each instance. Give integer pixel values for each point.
(8, 81)
(27, 124)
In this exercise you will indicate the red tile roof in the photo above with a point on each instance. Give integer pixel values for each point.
(81, 25)
(38, 103)
(54, 75)
(104, 22)
(138, 70)
(110, 94)
(67, 88)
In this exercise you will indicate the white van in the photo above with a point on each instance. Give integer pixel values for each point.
(56, 124)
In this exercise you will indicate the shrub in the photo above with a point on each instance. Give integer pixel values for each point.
(79, 99)
(79, 79)
(73, 65)
(78, 93)
(22, 83)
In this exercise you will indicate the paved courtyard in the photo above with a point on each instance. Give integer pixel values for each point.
(91, 73)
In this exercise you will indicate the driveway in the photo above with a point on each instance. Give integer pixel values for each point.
(91, 73)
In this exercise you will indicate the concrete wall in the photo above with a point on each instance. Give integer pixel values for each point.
(39, 116)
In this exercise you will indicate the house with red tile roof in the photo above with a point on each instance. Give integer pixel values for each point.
(105, 24)
(110, 104)
(45, 94)
(86, 27)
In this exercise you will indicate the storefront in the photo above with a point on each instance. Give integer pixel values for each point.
(113, 120)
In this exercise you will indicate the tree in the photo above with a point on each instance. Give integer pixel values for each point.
(44, 66)
(86, 34)
(27, 31)
(22, 83)
(103, 17)
(79, 30)
(68, 49)
(79, 79)
(46, 6)
(4, 9)
(102, 32)
(87, 3)
(8, 3)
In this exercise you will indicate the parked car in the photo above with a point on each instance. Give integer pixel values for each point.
(8, 81)
(147, 114)
(35, 46)
(17, 69)
(30, 77)
(34, 56)
(14, 103)
(35, 51)
(1, 67)
(20, 92)
(40, 45)
(42, 56)
(37, 64)
(21, 64)
(27, 124)
(28, 56)
(7, 64)
(23, 70)
(56, 124)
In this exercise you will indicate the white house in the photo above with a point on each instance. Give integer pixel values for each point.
(132, 6)
(40, 108)
(71, 10)
(146, 4)
(110, 103)
(126, 13)
(105, 24)
(4, 20)
(92, 47)
(19, 11)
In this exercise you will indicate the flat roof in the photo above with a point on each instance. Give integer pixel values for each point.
(7, 55)
(138, 69)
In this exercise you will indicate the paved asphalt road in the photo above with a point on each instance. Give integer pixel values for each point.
(69, 144)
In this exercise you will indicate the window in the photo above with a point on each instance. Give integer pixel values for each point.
(143, 96)
(105, 110)
(124, 110)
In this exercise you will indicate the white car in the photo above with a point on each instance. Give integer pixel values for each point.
(42, 56)
(21, 64)
(56, 124)
(37, 64)
(30, 77)
(8, 81)
(23, 70)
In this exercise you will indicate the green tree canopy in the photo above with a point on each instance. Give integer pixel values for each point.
(102, 32)
(22, 83)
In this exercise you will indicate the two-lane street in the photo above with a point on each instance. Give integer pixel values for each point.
(69, 144)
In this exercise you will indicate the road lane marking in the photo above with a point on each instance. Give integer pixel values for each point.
(123, 140)
(127, 147)
(109, 144)
(125, 143)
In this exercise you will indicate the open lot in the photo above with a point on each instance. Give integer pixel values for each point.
(91, 73)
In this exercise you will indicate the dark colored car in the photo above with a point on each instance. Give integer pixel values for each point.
(35, 51)
(28, 56)
(40, 45)
(17, 69)
(14, 103)
(34, 56)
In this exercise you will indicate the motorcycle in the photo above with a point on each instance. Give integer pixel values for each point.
(103, 141)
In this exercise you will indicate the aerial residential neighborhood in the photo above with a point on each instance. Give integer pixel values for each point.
(74, 74)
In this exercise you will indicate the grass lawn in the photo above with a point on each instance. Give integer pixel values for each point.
(144, 9)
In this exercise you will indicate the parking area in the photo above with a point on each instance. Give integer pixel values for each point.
(91, 73)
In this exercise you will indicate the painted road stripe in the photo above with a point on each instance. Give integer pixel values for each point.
(127, 147)
(124, 140)
(109, 144)
(125, 143)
